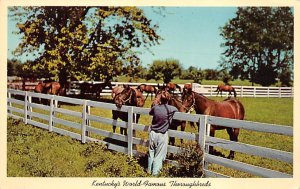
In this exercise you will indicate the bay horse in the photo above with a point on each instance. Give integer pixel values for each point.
(187, 87)
(228, 88)
(129, 97)
(229, 108)
(116, 90)
(42, 87)
(149, 89)
(172, 87)
(52, 88)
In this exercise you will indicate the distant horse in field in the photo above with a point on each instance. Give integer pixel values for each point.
(149, 89)
(53, 88)
(129, 97)
(94, 88)
(229, 108)
(173, 101)
(228, 88)
(173, 86)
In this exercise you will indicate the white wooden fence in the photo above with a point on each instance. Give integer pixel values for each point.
(209, 90)
(20, 105)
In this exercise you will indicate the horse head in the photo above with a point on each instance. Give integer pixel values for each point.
(188, 100)
(127, 96)
(187, 88)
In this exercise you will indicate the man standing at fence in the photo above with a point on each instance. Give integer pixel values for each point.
(158, 137)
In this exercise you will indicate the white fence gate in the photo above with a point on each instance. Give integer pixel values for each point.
(20, 105)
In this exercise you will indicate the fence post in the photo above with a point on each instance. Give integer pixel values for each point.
(83, 124)
(207, 129)
(25, 107)
(202, 138)
(268, 92)
(211, 90)
(242, 91)
(50, 128)
(29, 108)
(202, 123)
(9, 104)
(279, 91)
(88, 122)
(130, 130)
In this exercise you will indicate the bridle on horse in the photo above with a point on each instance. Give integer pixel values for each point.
(192, 107)
(128, 99)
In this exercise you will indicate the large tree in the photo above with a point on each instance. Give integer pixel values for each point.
(164, 70)
(259, 43)
(83, 43)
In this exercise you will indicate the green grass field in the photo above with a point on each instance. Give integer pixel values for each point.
(267, 110)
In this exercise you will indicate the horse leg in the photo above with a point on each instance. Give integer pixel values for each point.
(233, 134)
(115, 117)
(212, 134)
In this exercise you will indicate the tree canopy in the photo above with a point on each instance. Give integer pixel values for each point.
(164, 70)
(83, 43)
(259, 43)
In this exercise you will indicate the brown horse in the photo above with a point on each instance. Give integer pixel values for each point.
(129, 97)
(116, 90)
(187, 87)
(229, 108)
(228, 88)
(53, 88)
(149, 89)
(173, 86)
(42, 87)
(57, 89)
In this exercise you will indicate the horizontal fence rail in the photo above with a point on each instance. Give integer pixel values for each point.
(20, 105)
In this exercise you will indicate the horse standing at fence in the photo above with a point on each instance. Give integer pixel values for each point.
(116, 90)
(149, 89)
(187, 87)
(43, 88)
(57, 89)
(228, 88)
(229, 108)
(129, 97)
(52, 88)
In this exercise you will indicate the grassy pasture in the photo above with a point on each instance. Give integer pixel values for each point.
(267, 110)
